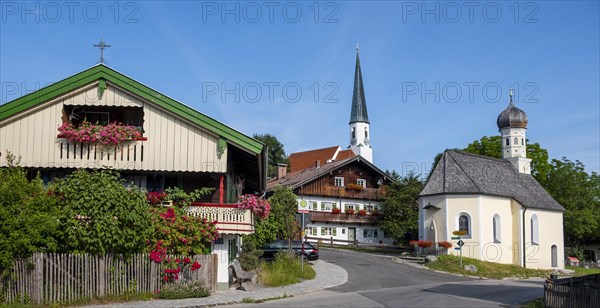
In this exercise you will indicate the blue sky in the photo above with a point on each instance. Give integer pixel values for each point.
(436, 73)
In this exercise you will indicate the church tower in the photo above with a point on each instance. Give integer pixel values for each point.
(512, 123)
(359, 118)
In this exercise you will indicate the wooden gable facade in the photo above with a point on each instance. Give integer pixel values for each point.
(179, 145)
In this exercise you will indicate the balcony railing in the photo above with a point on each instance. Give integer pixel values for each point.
(230, 219)
(85, 155)
(344, 218)
(343, 192)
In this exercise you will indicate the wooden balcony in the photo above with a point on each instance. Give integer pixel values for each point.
(343, 192)
(230, 219)
(127, 155)
(344, 218)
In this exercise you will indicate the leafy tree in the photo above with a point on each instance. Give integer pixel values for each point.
(27, 216)
(492, 147)
(400, 211)
(276, 152)
(579, 193)
(281, 222)
(98, 214)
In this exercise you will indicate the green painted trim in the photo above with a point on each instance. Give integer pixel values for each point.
(101, 87)
(222, 145)
(100, 72)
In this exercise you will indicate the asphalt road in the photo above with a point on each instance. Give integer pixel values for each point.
(377, 281)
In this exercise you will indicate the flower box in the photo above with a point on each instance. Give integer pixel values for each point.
(336, 210)
(111, 134)
(350, 211)
(353, 186)
(362, 212)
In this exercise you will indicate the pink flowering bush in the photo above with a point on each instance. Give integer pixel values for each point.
(114, 133)
(258, 206)
(156, 198)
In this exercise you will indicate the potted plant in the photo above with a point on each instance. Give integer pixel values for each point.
(336, 210)
(350, 211)
(362, 212)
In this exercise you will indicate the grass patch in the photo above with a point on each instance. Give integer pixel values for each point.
(581, 271)
(537, 303)
(109, 299)
(492, 270)
(284, 270)
(249, 300)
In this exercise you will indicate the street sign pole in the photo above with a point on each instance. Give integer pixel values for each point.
(302, 239)
(461, 267)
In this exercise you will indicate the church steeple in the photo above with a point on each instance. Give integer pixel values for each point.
(512, 123)
(359, 118)
(359, 103)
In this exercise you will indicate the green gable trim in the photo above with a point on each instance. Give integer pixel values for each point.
(102, 72)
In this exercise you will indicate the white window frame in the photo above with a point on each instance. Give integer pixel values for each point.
(314, 231)
(469, 224)
(361, 182)
(535, 230)
(339, 181)
(314, 205)
(497, 228)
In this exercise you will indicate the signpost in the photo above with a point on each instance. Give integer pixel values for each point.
(303, 219)
(460, 244)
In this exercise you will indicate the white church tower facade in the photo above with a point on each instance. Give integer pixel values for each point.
(512, 123)
(359, 118)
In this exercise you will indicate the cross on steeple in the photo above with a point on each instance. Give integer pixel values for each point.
(101, 46)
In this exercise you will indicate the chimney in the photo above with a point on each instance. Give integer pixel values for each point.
(317, 164)
(281, 170)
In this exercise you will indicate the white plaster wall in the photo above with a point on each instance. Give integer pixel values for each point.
(550, 224)
(500, 252)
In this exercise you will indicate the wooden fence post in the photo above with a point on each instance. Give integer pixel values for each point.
(38, 279)
(101, 276)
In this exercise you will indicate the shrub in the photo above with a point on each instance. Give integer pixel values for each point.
(27, 216)
(98, 214)
(179, 290)
(249, 256)
(284, 270)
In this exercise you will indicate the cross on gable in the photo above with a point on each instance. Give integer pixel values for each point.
(101, 45)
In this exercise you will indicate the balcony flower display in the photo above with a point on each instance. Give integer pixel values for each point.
(352, 186)
(421, 243)
(111, 134)
(257, 206)
(445, 244)
(336, 210)
(350, 211)
(362, 212)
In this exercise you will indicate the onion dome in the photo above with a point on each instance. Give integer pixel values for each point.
(512, 116)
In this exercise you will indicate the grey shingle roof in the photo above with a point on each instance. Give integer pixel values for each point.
(359, 103)
(465, 173)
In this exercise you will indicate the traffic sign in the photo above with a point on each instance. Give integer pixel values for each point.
(460, 243)
(455, 237)
(457, 248)
(303, 206)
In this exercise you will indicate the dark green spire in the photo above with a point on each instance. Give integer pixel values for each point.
(359, 103)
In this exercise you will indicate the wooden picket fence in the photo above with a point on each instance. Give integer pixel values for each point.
(577, 292)
(63, 278)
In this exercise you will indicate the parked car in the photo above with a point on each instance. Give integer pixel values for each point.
(310, 252)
